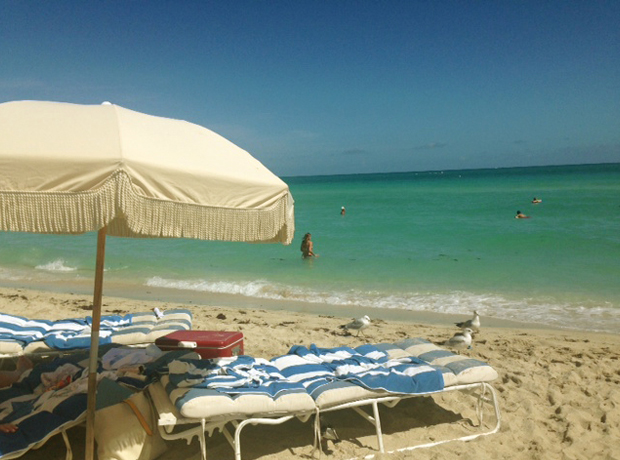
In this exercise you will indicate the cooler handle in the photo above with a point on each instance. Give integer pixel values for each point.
(186, 344)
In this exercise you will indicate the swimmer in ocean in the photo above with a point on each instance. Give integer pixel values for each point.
(520, 215)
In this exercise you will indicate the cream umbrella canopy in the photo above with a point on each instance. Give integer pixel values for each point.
(69, 168)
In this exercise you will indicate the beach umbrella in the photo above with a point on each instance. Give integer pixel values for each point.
(70, 169)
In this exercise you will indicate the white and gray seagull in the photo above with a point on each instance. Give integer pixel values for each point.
(460, 340)
(473, 323)
(358, 324)
(328, 432)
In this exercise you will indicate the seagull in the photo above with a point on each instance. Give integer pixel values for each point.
(359, 324)
(461, 339)
(473, 323)
(328, 432)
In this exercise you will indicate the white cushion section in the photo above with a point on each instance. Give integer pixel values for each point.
(146, 327)
(332, 395)
(10, 347)
(448, 359)
(176, 315)
(129, 338)
(396, 353)
(476, 374)
(417, 350)
(144, 317)
(163, 329)
(201, 403)
(450, 378)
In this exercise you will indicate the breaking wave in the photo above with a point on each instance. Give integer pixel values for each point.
(58, 265)
(605, 318)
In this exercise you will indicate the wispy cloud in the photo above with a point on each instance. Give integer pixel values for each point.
(355, 152)
(431, 146)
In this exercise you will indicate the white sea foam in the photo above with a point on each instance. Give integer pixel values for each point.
(601, 318)
(259, 289)
(58, 265)
(11, 275)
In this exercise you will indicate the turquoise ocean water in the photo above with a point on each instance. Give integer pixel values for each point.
(444, 242)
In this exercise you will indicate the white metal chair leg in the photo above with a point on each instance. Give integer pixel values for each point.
(375, 409)
(482, 391)
(228, 437)
(203, 440)
(238, 438)
(68, 445)
(376, 421)
(259, 421)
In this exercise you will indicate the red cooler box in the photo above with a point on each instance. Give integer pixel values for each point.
(208, 344)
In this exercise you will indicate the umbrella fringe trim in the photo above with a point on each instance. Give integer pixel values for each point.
(127, 214)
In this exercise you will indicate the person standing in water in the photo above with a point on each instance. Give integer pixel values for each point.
(307, 247)
(342, 211)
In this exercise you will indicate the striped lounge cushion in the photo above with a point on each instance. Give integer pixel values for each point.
(146, 327)
(320, 382)
(22, 335)
(52, 397)
(341, 375)
(456, 369)
(233, 388)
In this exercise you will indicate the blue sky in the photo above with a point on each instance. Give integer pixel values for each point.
(339, 86)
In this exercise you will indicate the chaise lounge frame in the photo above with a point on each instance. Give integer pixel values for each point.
(62, 431)
(169, 418)
(482, 391)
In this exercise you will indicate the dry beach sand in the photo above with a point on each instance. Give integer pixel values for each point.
(559, 390)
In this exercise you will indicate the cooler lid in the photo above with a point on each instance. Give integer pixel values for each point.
(202, 338)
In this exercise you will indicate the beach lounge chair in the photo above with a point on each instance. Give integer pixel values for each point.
(51, 398)
(203, 396)
(364, 376)
(42, 406)
(460, 374)
(19, 335)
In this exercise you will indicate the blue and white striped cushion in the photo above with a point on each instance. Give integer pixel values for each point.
(19, 334)
(37, 414)
(233, 376)
(28, 330)
(341, 375)
(456, 369)
(233, 388)
(40, 414)
(146, 327)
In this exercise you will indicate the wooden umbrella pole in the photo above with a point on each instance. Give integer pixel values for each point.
(94, 347)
